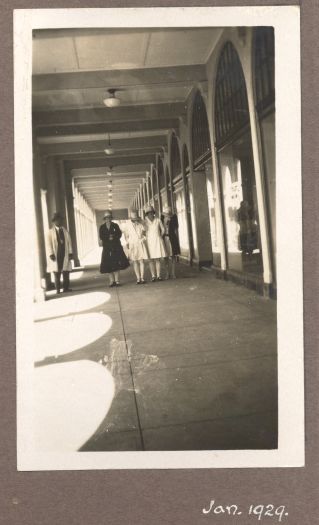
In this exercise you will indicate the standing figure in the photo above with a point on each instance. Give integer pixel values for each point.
(59, 253)
(155, 243)
(248, 229)
(171, 240)
(113, 256)
(137, 245)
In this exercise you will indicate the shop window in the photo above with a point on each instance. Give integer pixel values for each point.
(231, 104)
(185, 160)
(236, 166)
(201, 146)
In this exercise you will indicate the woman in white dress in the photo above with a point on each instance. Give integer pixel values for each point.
(155, 243)
(137, 246)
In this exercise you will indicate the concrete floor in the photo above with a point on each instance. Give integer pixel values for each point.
(194, 360)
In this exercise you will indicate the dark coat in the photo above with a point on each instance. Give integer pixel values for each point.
(173, 234)
(113, 256)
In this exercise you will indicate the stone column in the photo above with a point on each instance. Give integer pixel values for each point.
(261, 195)
(71, 217)
(203, 246)
(39, 252)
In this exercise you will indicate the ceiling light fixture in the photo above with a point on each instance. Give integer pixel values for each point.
(112, 101)
(109, 150)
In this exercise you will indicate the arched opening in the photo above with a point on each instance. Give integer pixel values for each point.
(203, 182)
(189, 206)
(201, 147)
(179, 196)
(264, 86)
(236, 165)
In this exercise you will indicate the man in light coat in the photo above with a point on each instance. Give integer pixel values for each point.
(59, 253)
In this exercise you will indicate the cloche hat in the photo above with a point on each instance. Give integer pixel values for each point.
(149, 209)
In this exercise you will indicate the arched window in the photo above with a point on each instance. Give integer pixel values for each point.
(161, 178)
(185, 160)
(175, 158)
(236, 166)
(231, 104)
(201, 146)
(264, 67)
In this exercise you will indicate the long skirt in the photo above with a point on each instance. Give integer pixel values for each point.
(113, 259)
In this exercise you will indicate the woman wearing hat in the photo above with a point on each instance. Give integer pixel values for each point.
(136, 239)
(171, 240)
(155, 243)
(113, 256)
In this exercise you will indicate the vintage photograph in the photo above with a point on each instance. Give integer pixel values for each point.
(154, 289)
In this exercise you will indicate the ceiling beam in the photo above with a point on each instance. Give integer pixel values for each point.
(106, 163)
(108, 115)
(161, 124)
(67, 148)
(118, 78)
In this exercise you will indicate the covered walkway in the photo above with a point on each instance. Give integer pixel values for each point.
(185, 364)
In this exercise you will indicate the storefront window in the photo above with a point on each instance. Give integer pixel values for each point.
(233, 141)
(240, 206)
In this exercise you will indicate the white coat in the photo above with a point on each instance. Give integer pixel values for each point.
(52, 249)
(154, 236)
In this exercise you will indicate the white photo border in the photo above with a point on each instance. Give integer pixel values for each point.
(286, 22)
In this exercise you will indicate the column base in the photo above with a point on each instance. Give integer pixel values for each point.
(39, 295)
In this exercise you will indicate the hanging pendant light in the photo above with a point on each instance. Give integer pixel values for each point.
(111, 101)
(109, 150)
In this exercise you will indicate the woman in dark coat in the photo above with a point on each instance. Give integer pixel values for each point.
(113, 256)
(171, 241)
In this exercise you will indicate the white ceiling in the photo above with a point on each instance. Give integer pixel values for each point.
(72, 70)
(92, 50)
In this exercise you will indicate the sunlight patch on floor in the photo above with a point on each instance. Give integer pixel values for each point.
(68, 304)
(72, 399)
(63, 335)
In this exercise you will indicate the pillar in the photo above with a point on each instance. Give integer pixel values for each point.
(203, 247)
(39, 237)
(261, 193)
(71, 217)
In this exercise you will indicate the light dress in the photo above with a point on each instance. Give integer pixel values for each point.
(167, 242)
(154, 236)
(136, 237)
